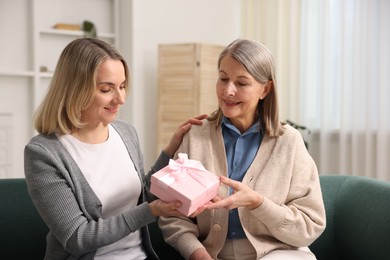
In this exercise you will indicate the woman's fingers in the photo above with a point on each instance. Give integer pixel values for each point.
(197, 120)
(177, 136)
(223, 203)
(243, 196)
(199, 210)
(231, 183)
(200, 117)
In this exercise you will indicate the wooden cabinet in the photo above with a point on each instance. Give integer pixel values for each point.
(187, 75)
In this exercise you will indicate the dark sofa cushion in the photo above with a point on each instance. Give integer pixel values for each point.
(358, 219)
(22, 231)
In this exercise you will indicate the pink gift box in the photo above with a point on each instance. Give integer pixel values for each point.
(187, 181)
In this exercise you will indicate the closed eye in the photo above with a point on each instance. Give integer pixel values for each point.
(242, 84)
(224, 79)
(105, 90)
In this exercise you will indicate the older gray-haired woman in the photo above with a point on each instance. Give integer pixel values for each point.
(271, 204)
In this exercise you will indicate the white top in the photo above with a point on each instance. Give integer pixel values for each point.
(110, 172)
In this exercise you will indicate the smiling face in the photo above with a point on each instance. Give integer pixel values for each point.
(239, 93)
(110, 94)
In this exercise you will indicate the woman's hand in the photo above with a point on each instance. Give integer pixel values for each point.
(169, 209)
(177, 136)
(199, 210)
(243, 196)
(200, 254)
(165, 209)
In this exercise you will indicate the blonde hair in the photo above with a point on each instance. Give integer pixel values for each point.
(258, 61)
(72, 88)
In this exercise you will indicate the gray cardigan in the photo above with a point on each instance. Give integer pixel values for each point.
(71, 209)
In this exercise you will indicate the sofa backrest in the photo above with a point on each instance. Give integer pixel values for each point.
(358, 219)
(22, 231)
(357, 209)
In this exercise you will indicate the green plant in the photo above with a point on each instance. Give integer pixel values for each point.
(89, 29)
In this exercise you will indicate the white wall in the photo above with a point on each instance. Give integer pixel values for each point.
(169, 21)
(15, 93)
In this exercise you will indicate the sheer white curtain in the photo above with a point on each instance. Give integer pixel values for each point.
(335, 76)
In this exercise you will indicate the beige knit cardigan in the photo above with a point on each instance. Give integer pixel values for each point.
(292, 214)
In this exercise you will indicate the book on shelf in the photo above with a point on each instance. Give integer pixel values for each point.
(67, 26)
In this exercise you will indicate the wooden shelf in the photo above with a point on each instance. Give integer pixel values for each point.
(73, 33)
(16, 73)
(46, 74)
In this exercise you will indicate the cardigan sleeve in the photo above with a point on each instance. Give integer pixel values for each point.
(293, 211)
(301, 219)
(181, 233)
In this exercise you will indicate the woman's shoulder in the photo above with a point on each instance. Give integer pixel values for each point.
(291, 139)
(290, 132)
(44, 140)
(42, 144)
(205, 128)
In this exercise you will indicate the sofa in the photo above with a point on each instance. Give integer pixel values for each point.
(357, 209)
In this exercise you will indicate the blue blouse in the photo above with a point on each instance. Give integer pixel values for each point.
(240, 151)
